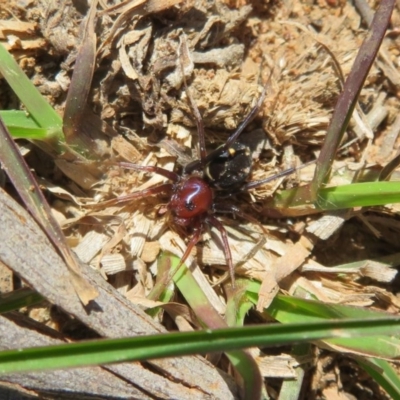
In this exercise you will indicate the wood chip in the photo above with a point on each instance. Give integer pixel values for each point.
(150, 251)
(113, 263)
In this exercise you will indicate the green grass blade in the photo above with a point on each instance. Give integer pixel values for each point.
(238, 304)
(208, 316)
(22, 125)
(290, 310)
(37, 106)
(287, 309)
(384, 374)
(364, 194)
(249, 371)
(192, 292)
(19, 298)
(359, 195)
(291, 388)
(179, 344)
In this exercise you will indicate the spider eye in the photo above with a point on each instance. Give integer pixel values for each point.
(192, 198)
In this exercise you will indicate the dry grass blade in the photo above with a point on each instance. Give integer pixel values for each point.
(348, 98)
(82, 78)
(24, 182)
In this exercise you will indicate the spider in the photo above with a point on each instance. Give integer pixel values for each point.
(197, 192)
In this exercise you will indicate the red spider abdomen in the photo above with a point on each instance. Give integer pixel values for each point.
(192, 198)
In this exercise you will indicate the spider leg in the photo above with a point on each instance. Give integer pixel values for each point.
(254, 111)
(232, 209)
(227, 251)
(235, 135)
(200, 126)
(183, 53)
(198, 164)
(286, 172)
(195, 165)
(192, 242)
(165, 187)
(174, 177)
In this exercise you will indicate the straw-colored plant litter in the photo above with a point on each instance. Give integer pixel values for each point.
(301, 52)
